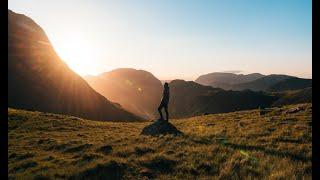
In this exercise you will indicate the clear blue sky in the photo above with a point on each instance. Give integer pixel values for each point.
(178, 38)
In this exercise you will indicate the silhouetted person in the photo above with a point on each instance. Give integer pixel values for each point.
(165, 101)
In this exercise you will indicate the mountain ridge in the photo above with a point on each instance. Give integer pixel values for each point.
(39, 80)
(228, 79)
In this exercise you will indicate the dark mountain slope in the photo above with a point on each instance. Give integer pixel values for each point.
(291, 84)
(39, 80)
(189, 99)
(293, 97)
(138, 91)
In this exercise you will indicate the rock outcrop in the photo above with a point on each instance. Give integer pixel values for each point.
(160, 127)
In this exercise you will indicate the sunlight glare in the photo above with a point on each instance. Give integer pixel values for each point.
(78, 51)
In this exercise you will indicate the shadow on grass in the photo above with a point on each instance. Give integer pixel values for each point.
(24, 166)
(224, 141)
(110, 170)
(160, 164)
(143, 150)
(78, 148)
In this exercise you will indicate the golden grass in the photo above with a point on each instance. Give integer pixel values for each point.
(234, 145)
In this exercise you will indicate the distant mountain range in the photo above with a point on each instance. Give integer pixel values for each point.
(39, 80)
(254, 82)
(226, 80)
(138, 91)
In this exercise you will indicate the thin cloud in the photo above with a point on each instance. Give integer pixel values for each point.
(232, 71)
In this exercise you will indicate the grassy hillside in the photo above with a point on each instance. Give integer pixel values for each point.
(293, 97)
(233, 145)
(291, 84)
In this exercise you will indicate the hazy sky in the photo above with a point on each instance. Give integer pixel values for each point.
(178, 38)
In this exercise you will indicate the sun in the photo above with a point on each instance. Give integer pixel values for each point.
(78, 51)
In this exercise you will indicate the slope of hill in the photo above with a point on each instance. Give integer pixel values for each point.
(291, 84)
(238, 145)
(226, 80)
(261, 84)
(188, 98)
(293, 97)
(39, 80)
(137, 91)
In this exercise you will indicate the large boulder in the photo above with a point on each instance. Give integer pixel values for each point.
(160, 127)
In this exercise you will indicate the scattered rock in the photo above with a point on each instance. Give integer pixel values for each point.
(90, 157)
(160, 127)
(210, 124)
(270, 119)
(78, 148)
(294, 110)
(170, 152)
(147, 172)
(241, 124)
(205, 167)
(25, 156)
(264, 111)
(49, 158)
(24, 166)
(105, 149)
(40, 141)
(143, 150)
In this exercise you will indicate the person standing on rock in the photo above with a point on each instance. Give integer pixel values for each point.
(164, 101)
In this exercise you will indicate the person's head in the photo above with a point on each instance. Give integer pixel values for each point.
(166, 85)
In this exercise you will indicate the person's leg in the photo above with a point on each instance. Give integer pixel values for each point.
(159, 109)
(167, 113)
